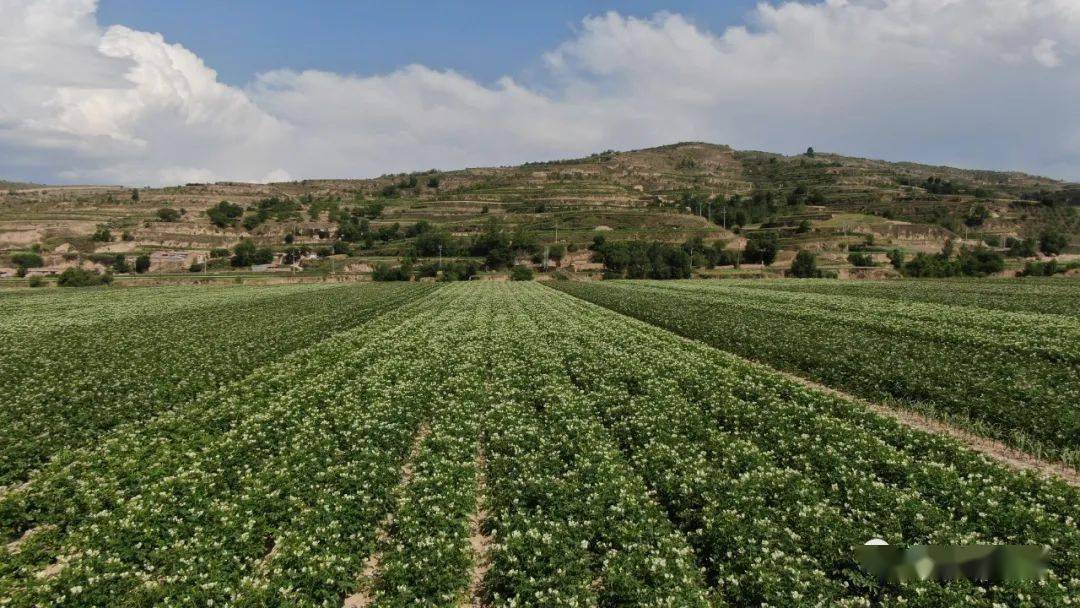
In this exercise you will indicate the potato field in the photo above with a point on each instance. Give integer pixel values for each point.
(516, 444)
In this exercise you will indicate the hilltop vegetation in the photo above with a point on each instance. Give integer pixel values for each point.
(828, 204)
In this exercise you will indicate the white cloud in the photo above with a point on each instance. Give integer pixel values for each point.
(984, 83)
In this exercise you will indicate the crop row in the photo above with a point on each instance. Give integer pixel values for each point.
(1026, 295)
(64, 388)
(268, 489)
(1006, 379)
(24, 314)
(772, 483)
(613, 462)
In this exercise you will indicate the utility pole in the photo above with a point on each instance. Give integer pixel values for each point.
(440, 257)
(724, 211)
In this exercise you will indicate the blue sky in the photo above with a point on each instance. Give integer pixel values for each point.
(156, 92)
(481, 39)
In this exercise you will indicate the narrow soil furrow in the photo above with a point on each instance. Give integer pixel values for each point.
(479, 540)
(364, 596)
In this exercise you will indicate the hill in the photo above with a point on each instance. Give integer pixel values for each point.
(817, 201)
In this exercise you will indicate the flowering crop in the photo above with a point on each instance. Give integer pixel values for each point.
(1024, 295)
(610, 462)
(1012, 376)
(65, 381)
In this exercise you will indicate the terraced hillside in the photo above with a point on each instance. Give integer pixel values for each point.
(822, 202)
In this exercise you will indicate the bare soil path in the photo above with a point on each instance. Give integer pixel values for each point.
(479, 541)
(1000, 452)
(364, 597)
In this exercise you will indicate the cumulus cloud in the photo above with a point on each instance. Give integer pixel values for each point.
(980, 83)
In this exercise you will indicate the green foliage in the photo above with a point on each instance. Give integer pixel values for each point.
(142, 263)
(1021, 248)
(102, 234)
(804, 266)
(896, 258)
(1053, 242)
(761, 247)
(247, 253)
(521, 273)
(168, 214)
(224, 214)
(36, 281)
(641, 259)
(80, 277)
(25, 259)
(385, 272)
(861, 260)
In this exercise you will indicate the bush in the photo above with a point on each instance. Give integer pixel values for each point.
(80, 277)
(521, 273)
(36, 282)
(385, 272)
(804, 266)
(27, 260)
(1053, 242)
(166, 214)
(246, 254)
(142, 263)
(896, 258)
(861, 260)
(224, 214)
(102, 234)
(1021, 248)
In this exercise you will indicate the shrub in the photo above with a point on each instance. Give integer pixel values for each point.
(142, 263)
(36, 282)
(166, 214)
(27, 260)
(1053, 242)
(521, 273)
(896, 258)
(861, 260)
(385, 272)
(80, 277)
(804, 265)
(224, 214)
(102, 234)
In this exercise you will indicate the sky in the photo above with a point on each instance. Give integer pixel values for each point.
(167, 92)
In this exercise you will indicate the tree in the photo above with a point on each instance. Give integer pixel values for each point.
(433, 181)
(135, 195)
(976, 216)
(810, 151)
(246, 253)
(556, 253)
(762, 247)
(521, 273)
(224, 214)
(142, 263)
(1021, 248)
(804, 227)
(804, 265)
(1053, 242)
(24, 259)
(120, 264)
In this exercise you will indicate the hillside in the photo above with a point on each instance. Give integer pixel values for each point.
(822, 202)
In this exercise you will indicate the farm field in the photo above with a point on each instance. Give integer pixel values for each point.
(1008, 375)
(1023, 295)
(495, 444)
